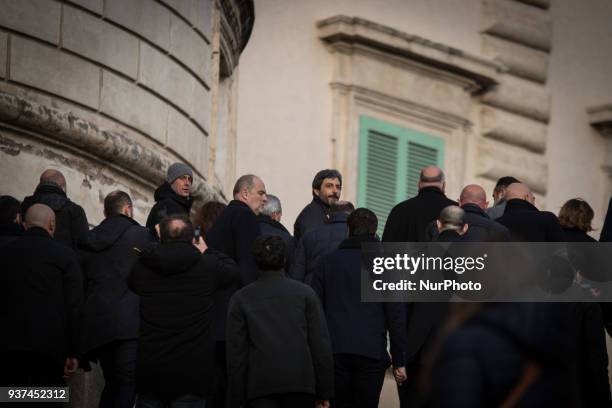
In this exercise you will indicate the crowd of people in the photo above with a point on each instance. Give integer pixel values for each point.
(215, 305)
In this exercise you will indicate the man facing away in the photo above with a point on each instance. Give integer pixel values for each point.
(109, 323)
(358, 330)
(70, 218)
(499, 197)
(176, 284)
(269, 220)
(326, 189)
(173, 196)
(41, 293)
(233, 234)
(473, 201)
(408, 220)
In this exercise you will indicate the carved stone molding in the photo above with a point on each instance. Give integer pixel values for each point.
(237, 19)
(343, 31)
(600, 117)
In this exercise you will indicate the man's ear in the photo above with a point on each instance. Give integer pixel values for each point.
(17, 219)
(486, 205)
(316, 192)
(439, 225)
(464, 229)
(52, 227)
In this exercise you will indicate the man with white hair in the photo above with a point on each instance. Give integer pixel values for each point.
(269, 220)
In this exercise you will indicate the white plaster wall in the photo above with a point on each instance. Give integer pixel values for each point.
(579, 77)
(285, 102)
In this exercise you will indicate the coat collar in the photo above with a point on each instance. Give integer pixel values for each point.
(474, 209)
(516, 204)
(431, 190)
(316, 200)
(338, 218)
(238, 204)
(271, 274)
(37, 232)
(265, 219)
(356, 241)
(449, 236)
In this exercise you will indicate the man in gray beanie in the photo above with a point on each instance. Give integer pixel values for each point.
(174, 196)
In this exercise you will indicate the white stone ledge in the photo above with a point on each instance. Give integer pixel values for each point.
(520, 96)
(518, 22)
(513, 129)
(342, 30)
(496, 159)
(526, 62)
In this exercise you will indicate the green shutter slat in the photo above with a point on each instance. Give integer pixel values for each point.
(418, 156)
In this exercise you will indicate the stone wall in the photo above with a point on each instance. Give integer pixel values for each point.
(110, 92)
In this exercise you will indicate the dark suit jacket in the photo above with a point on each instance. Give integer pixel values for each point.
(527, 223)
(270, 227)
(313, 215)
(408, 220)
(41, 294)
(481, 228)
(233, 234)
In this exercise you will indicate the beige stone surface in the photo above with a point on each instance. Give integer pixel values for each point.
(134, 106)
(100, 41)
(3, 53)
(522, 97)
(92, 5)
(513, 129)
(38, 18)
(526, 62)
(518, 22)
(190, 48)
(185, 138)
(52, 70)
(145, 17)
(197, 12)
(537, 3)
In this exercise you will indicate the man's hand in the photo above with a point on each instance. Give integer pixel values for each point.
(200, 244)
(70, 366)
(400, 374)
(322, 404)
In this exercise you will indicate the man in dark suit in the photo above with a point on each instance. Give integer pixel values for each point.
(109, 324)
(408, 220)
(321, 241)
(176, 281)
(525, 222)
(71, 221)
(473, 200)
(233, 233)
(41, 294)
(326, 189)
(358, 330)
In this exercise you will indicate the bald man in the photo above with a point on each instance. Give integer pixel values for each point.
(72, 225)
(524, 221)
(473, 201)
(408, 220)
(40, 299)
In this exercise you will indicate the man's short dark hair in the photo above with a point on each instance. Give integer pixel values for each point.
(9, 208)
(115, 201)
(269, 252)
(341, 207)
(504, 182)
(362, 222)
(322, 175)
(176, 228)
(247, 181)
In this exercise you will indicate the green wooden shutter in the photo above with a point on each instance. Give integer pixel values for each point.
(390, 161)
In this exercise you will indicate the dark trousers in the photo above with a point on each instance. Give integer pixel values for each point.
(184, 401)
(118, 362)
(220, 381)
(24, 368)
(358, 381)
(287, 400)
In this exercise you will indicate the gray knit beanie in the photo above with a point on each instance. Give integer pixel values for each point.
(177, 170)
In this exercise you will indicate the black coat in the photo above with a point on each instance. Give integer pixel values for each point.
(316, 243)
(277, 341)
(41, 294)
(481, 228)
(481, 361)
(176, 285)
(577, 235)
(9, 232)
(107, 257)
(271, 227)
(71, 224)
(167, 203)
(408, 220)
(606, 230)
(526, 223)
(315, 214)
(233, 234)
(357, 327)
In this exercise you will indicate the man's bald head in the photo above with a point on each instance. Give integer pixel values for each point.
(452, 218)
(432, 176)
(42, 216)
(53, 176)
(473, 194)
(519, 191)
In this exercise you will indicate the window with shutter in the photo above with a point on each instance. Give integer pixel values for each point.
(390, 161)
